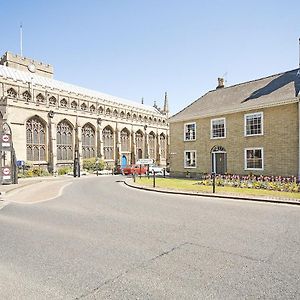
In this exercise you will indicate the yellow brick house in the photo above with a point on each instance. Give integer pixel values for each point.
(248, 128)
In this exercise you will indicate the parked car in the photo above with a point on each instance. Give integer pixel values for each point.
(156, 169)
(136, 169)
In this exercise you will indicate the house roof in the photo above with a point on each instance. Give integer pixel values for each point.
(269, 91)
(44, 82)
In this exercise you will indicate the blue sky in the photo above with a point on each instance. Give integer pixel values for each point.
(142, 48)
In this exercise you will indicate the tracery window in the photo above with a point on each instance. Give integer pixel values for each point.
(100, 110)
(115, 113)
(163, 146)
(12, 93)
(92, 108)
(128, 115)
(134, 117)
(125, 140)
(140, 118)
(122, 114)
(52, 100)
(35, 140)
(83, 106)
(64, 138)
(40, 98)
(74, 105)
(108, 143)
(145, 119)
(107, 112)
(63, 102)
(139, 141)
(88, 141)
(151, 142)
(26, 96)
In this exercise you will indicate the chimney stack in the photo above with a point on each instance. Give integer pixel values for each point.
(220, 83)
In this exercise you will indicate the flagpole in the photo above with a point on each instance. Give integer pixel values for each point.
(21, 39)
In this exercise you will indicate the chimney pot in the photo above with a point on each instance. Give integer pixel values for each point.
(220, 83)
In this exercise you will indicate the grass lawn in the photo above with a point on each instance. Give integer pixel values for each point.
(190, 185)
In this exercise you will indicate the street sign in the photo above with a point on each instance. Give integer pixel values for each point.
(144, 161)
(5, 138)
(6, 171)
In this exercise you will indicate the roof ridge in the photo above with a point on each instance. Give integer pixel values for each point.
(72, 87)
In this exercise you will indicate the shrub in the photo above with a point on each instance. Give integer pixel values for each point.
(64, 170)
(93, 164)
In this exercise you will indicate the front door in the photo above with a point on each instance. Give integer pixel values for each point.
(219, 162)
(123, 161)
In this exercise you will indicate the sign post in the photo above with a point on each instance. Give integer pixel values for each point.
(8, 157)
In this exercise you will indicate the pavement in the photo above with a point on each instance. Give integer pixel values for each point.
(32, 190)
(38, 189)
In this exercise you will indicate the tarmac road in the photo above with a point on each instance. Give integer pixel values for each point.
(100, 239)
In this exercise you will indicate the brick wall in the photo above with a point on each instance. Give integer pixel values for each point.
(279, 141)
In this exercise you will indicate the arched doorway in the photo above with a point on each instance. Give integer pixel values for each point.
(123, 161)
(218, 160)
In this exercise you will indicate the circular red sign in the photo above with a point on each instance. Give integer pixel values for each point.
(5, 138)
(6, 171)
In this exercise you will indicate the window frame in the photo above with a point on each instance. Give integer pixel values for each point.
(184, 160)
(211, 129)
(184, 131)
(262, 159)
(262, 123)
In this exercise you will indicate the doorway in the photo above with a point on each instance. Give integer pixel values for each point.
(218, 160)
(123, 161)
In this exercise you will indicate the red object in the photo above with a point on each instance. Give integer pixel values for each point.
(136, 169)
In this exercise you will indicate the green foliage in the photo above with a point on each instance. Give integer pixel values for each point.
(33, 171)
(64, 170)
(93, 164)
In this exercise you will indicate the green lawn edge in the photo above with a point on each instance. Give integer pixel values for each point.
(191, 186)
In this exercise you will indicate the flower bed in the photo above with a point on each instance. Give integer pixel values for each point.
(275, 183)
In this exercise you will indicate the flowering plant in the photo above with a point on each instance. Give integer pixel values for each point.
(276, 183)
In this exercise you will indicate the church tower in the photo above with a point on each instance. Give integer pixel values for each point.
(166, 105)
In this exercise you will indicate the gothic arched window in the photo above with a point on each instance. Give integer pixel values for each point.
(151, 141)
(139, 141)
(92, 108)
(122, 114)
(74, 104)
(88, 141)
(108, 142)
(40, 98)
(64, 141)
(108, 112)
(100, 110)
(125, 140)
(63, 102)
(26, 96)
(163, 146)
(115, 113)
(83, 106)
(52, 101)
(12, 93)
(35, 139)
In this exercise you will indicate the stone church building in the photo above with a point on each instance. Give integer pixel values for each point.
(51, 121)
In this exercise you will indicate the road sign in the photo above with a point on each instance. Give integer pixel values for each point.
(5, 138)
(6, 171)
(144, 161)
